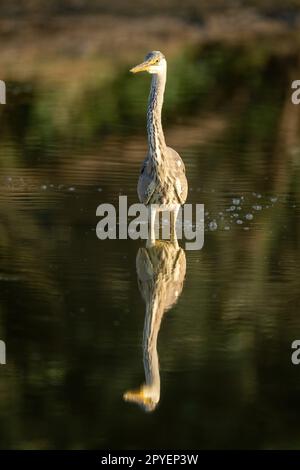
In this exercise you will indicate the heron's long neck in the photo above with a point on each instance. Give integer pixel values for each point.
(156, 138)
(154, 313)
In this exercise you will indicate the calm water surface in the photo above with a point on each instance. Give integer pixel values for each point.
(73, 308)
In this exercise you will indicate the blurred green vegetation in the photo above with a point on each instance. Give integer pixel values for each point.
(208, 77)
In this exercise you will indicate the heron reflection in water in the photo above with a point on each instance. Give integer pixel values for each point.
(162, 184)
(160, 272)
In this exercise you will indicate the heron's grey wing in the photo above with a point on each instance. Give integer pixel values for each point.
(144, 266)
(178, 172)
(145, 273)
(146, 183)
(176, 279)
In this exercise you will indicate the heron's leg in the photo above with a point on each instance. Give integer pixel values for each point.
(151, 234)
(174, 215)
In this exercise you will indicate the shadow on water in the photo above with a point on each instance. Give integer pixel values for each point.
(69, 303)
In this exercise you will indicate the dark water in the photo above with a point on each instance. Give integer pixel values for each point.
(71, 311)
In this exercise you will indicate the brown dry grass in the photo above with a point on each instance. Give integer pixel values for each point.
(74, 46)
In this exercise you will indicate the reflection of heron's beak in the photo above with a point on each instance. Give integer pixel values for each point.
(143, 67)
(139, 397)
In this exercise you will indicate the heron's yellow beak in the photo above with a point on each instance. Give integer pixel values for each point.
(134, 395)
(143, 67)
(138, 396)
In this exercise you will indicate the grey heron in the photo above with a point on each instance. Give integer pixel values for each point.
(162, 184)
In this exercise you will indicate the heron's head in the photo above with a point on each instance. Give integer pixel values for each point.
(154, 62)
(143, 396)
